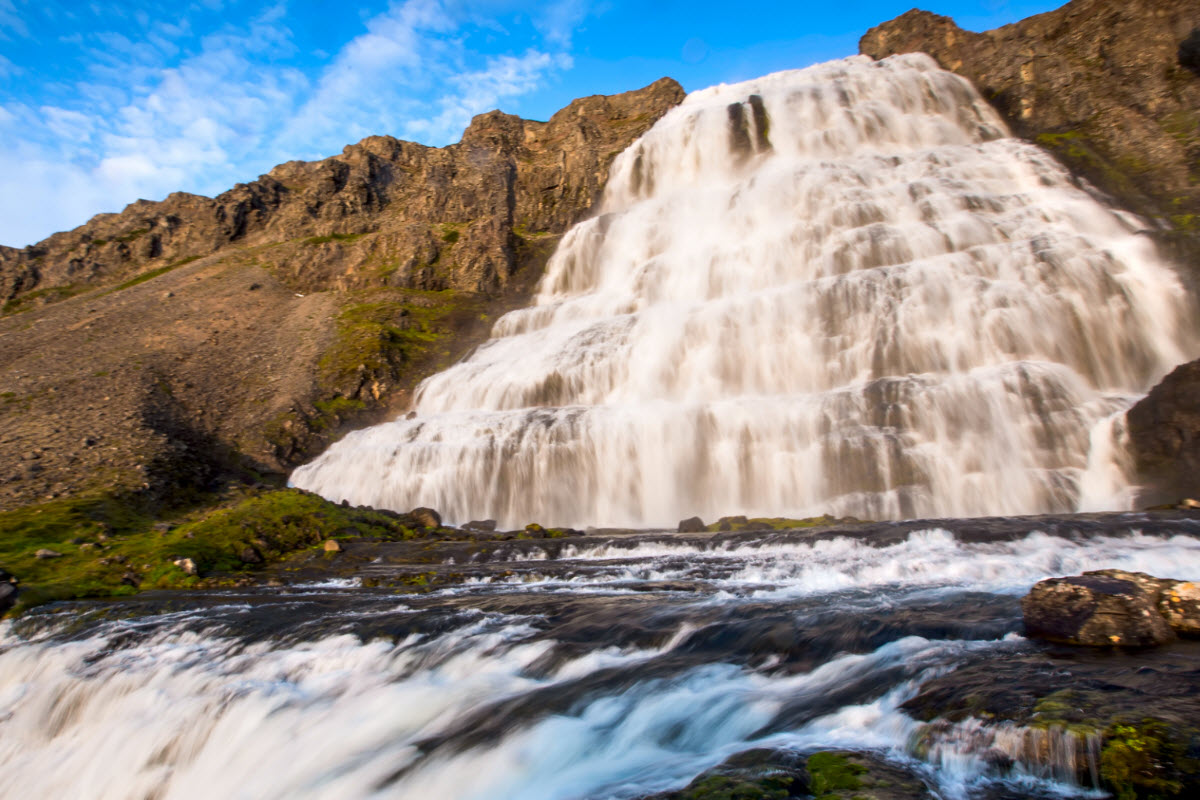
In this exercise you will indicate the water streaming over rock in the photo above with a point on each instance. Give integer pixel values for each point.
(841, 289)
(607, 670)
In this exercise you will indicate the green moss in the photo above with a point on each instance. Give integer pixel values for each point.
(333, 237)
(109, 545)
(1141, 761)
(830, 774)
(723, 787)
(380, 336)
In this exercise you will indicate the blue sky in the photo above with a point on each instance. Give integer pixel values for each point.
(102, 102)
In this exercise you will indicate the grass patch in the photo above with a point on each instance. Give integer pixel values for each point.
(152, 274)
(110, 546)
(377, 337)
(333, 237)
(51, 294)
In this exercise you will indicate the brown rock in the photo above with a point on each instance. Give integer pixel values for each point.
(1164, 434)
(1179, 603)
(481, 525)
(692, 525)
(186, 564)
(47, 553)
(331, 546)
(426, 517)
(1097, 609)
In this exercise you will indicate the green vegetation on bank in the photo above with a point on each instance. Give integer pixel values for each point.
(725, 524)
(103, 546)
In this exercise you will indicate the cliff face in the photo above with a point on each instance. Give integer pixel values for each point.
(383, 213)
(176, 341)
(1112, 88)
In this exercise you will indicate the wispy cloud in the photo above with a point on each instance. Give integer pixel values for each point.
(160, 108)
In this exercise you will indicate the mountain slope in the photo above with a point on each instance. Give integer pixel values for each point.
(178, 342)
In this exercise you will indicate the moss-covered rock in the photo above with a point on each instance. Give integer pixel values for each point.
(111, 545)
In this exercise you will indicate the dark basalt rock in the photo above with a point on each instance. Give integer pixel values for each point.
(8, 591)
(1189, 52)
(692, 525)
(1164, 434)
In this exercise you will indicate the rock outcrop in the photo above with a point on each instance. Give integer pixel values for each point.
(1111, 88)
(185, 341)
(1112, 607)
(1164, 434)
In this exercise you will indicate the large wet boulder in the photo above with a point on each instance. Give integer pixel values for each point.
(1112, 608)
(692, 525)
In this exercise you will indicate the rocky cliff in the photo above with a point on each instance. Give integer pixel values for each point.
(1112, 88)
(180, 340)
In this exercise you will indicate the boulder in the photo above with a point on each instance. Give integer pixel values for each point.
(426, 517)
(46, 553)
(250, 556)
(1164, 434)
(1098, 609)
(692, 525)
(481, 525)
(1189, 52)
(1179, 604)
(186, 564)
(8, 591)
(331, 546)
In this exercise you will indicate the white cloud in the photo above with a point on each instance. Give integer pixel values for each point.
(477, 92)
(149, 121)
(11, 22)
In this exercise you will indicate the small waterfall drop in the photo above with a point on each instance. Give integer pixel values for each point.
(841, 289)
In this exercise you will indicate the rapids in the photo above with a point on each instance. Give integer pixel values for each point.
(844, 289)
(612, 668)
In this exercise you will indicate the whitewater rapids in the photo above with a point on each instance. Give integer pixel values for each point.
(619, 668)
(841, 289)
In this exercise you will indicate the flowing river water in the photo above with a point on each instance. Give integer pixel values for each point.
(843, 289)
(592, 667)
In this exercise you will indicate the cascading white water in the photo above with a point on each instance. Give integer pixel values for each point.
(841, 289)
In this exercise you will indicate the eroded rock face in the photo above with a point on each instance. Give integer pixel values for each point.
(1111, 607)
(1164, 433)
(384, 212)
(1109, 87)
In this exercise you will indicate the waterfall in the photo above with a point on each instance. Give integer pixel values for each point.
(842, 289)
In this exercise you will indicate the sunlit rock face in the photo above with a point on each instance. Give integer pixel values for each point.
(842, 289)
